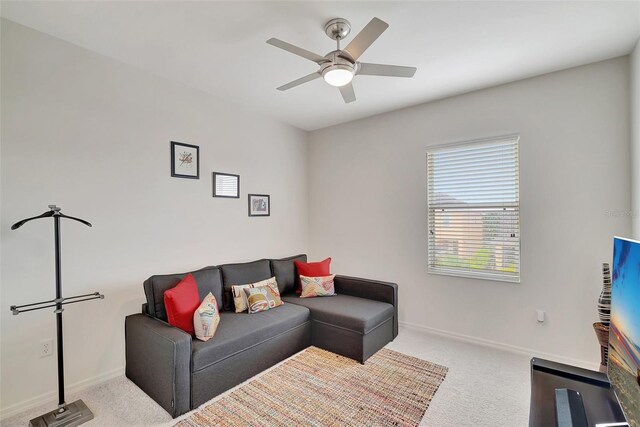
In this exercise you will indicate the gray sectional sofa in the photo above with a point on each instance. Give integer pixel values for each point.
(180, 372)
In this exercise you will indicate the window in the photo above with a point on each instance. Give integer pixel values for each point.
(473, 209)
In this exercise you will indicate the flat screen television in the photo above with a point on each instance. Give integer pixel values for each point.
(624, 331)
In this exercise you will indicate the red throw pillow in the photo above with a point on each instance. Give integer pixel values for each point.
(181, 302)
(312, 269)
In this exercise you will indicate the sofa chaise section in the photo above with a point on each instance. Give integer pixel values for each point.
(358, 321)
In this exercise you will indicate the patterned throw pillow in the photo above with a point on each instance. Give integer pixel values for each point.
(257, 299)
(317, 286)
(312, 269)
(273, 296)
(261, 298)
(240, 298)
(206, 318)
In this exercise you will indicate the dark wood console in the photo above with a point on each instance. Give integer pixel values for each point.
(600, 403)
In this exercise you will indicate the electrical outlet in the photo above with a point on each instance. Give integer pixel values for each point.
(46, 347)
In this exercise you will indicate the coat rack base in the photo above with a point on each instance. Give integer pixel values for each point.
(72, 414)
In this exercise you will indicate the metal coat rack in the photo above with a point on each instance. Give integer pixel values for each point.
(77, 412)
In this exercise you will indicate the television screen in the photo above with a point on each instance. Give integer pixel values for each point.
(624, 332)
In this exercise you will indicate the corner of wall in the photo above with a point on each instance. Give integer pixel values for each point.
(635, 139)
(307, 185)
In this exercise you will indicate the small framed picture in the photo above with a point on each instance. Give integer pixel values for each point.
(259, 205)
(185, 160)
(226, 185)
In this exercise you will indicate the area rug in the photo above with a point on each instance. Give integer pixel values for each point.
(319, 388)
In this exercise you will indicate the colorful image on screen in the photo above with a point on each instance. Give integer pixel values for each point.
(624, 332)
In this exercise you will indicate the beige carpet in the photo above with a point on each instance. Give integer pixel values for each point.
(484, 387)
(320, 388)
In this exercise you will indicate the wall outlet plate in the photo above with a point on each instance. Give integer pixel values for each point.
(46, 347)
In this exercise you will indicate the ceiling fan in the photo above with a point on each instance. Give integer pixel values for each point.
(340, 66)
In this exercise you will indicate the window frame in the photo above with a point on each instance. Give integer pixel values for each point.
(511, 138)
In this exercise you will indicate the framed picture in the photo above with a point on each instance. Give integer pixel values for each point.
(226, 185)
(185, 160)
(259, 205)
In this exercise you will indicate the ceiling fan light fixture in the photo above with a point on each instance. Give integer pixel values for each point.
(338, 75)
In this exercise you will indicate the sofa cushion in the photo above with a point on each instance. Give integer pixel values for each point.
(353, 313)
(242, 274)
(286, 273)
(239, 331)
(208, 279)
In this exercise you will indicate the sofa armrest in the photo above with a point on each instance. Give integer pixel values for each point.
(158, 360)
(370, 289)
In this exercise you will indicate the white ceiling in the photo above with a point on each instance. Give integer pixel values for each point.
(219, 47)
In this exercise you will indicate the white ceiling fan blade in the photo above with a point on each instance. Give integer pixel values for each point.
(385, 70)
(297, 50)
(365, 38)
(347, 93)
(299, 81)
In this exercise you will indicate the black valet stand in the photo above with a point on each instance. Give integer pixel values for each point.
(75, 413)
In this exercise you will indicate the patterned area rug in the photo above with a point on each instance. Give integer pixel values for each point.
(320, 388)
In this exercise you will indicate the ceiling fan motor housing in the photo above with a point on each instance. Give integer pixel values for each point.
(340, 59)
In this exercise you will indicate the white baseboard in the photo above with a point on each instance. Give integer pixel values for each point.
(501, 346)
(52, 396)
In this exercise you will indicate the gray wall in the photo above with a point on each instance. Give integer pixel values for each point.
(367, 206)
(92, 135)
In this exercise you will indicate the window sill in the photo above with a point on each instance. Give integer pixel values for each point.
(469, 275)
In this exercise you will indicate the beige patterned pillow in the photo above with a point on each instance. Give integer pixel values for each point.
(206, 318)
(262, 298)
(257, 299)
(240, 298)
(273, 294)
(317, 286)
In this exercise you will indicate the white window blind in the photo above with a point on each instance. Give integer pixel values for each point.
(474, 209)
